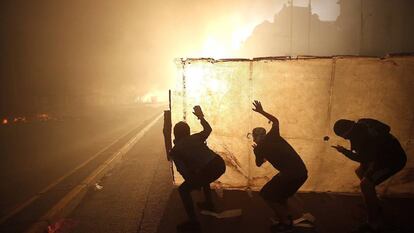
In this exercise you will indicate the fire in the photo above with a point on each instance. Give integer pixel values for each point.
(5, 121)
(20, 119)
(43, 117)
(226, 40)
(197, 86)
(240, 35)
(214, 48)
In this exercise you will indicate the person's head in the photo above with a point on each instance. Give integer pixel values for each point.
(181, 130)
(258, 134)
(343, 128)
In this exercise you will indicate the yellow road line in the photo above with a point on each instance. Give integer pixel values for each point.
(57, 210)
(53, 184)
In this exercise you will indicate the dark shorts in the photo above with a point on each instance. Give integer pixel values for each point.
(211, 172)
(281, 187)
(392, 159)
(378, 174)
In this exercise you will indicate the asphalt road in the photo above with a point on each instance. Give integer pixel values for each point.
(36, 154)
(134, 193)
(137, 196)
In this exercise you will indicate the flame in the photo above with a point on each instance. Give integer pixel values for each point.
(226, 39)
(197, 86)
(214, 48)
(5, 121)
(43, 117)
(20, 119)
(240, 35)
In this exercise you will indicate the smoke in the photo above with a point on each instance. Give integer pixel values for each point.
(84, 47)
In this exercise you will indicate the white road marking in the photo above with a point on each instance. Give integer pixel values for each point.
(53, 184)
(57, 210)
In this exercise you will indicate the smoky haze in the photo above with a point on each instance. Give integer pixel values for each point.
(58, 54)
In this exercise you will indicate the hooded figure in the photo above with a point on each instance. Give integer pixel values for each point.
(380, 156)
(198, 165)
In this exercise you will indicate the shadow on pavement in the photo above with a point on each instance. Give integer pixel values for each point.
(335, 213)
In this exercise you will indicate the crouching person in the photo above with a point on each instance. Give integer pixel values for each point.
(198, 165)
(380, 156)
(292, 174)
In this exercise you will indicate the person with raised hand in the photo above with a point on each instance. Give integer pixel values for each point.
(198, 165)
(272, 147)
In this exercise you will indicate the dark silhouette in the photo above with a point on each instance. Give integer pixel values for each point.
(380, 155)
(199, 166)
(297, 30)
(292, 171)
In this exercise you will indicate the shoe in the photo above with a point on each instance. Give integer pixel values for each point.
(189, 226)
(281, 228)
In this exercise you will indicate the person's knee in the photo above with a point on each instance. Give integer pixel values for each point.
(359, 173)
(305, 177)
(263, 194)
(183, 188)
(367, 185)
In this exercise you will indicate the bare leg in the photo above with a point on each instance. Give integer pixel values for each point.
(296, 208)
(372, 202)
(208, 201)
(281, 210)
(185, 194)
(207, 194)
(360, 171)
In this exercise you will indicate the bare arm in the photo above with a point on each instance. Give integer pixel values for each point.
(348, 153)
(271, 118)
(206, 126)
(259, 109)
(367, 156)
(206, 129)
(258, 158)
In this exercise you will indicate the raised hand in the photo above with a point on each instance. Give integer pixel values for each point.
(340, 149)
(198, 112)
(257, 106)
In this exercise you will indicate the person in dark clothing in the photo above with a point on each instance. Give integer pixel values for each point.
(272, 147)
(198, 165)
(380, 156)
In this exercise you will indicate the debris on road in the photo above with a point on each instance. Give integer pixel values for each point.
(98, 187)
(225, 214)
(61, 226)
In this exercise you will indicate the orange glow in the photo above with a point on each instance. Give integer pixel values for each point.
(155, 96)
(19, 119)
(43, 117)
(198, 86)
(5, 121)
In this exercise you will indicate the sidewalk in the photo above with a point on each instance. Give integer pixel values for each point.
(137, 196)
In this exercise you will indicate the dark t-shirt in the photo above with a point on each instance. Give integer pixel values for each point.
(372, 142)
(277, 151)
(191, 153)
